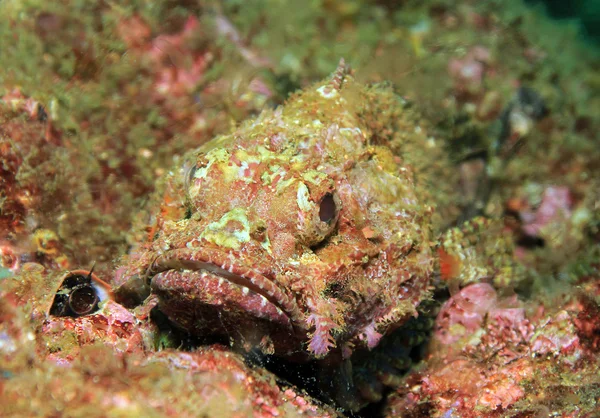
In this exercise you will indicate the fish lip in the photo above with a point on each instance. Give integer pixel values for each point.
(224, 266)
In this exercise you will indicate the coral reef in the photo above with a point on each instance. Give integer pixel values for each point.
(469, 128)
(490, 357)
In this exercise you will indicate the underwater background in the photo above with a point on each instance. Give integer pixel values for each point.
(586, 11)
(448, 266)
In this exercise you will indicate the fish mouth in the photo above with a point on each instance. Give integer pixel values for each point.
(211, 278)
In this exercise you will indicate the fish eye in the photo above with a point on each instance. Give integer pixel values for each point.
(79, 294)
(83, 300)
(327, 208)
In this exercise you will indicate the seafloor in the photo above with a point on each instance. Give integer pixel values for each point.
(99, 101)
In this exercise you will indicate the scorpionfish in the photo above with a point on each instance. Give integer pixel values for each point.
(308, 231)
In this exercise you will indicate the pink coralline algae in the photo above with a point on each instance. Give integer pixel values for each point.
(178, 66)
(465, 312)
(469, 71)
(179, 63)
(502, 361)
(182, 68)
(181, 60)
(556, 207)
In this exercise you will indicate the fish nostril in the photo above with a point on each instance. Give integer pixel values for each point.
(327, 208)
(259, 234)
(190, 172)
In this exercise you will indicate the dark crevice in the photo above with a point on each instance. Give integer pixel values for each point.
(315, 248)
(531, 242)
(312, 378)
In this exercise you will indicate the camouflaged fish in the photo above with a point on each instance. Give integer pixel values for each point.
(307, 231)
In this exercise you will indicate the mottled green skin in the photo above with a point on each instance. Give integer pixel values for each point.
(308, 230)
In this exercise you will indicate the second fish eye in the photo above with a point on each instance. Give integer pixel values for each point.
(327, 208)
(80, 294)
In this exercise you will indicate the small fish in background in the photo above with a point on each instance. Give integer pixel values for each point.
(518, 119)
(479, 169)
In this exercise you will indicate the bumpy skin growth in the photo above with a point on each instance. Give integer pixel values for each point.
(305, 230)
